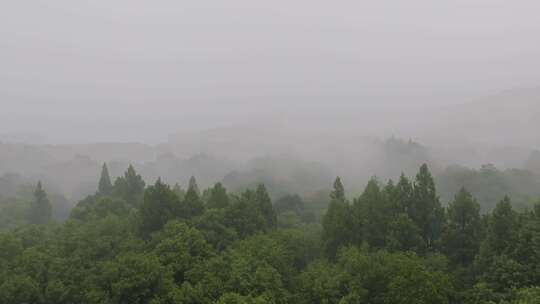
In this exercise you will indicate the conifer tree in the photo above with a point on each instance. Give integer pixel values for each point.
(265, 205)
(130, 186)
(160, 205)
(404, 235)
(218, 197)
(105, 186)
(404, 194)
(373, 212)
(502, 229)
(41, 209)
(462, 235)
(339, 191)
(193, 185)
(426, 210)
(192, 204)
(340, 227)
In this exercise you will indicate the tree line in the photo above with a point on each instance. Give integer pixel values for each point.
(395, 243)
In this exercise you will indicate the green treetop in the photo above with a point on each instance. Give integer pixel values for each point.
(218, 197)
(426, 210)
(105, 185)
(41, 209)
(461, 238)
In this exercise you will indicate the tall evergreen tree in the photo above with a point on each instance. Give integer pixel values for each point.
(340, 227)
(462, 235)
(192, 204)
(244, 214)
(105, 186)
(40, 209)
(372, 210)
(404, 194)
(503, 228)
(338, 193)
(404, 235)
(426, 210)
(193, 185)
(265, 205)
(290, 203)
(160, 205)
(218, 197)
(130, 186)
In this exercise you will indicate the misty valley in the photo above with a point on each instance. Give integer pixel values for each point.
(272, 230)
(269, 152)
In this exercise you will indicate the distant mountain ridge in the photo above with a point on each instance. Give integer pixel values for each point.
(510, 118)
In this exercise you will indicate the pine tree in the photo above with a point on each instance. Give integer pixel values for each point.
(339, 191)
(372, 210)
(265, 205)
(502, 229)
(340, 227)
(218, 197)
(193, 185)
(105, 185)
(404, 235)
(461, 238)
(192, 204)
(130, 187)
(159, 206)
(404, 194)
(41, 209)
(426, 210)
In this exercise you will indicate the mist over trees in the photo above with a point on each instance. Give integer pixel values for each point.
(393, 243)
(269, 152)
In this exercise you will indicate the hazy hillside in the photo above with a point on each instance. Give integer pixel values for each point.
(510, 118)
(499, 129)
(134, 152)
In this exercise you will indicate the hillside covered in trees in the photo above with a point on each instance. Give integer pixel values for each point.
(394, 243)
(269, 152)
(71, 172)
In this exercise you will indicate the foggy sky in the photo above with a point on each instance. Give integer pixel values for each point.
(133, 70)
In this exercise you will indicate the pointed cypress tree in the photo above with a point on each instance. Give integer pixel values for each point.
(193, 185)
(160, 205)
(339, 223)
(218, 197)
(105, 186)
(461, 238)
(339, 191)
(130, 187)
(265, 205)
(41, 209)
(373, 212)
(192, 204)
(502, 228)
(404, 194)
(426, 210)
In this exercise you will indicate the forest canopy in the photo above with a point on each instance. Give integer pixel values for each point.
(394, 243)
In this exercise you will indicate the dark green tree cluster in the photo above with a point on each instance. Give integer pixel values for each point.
(32, 204)
(491, 257)
(40, 208)
(403, 216)
(293, 212)
(489, 184)
(395, 243)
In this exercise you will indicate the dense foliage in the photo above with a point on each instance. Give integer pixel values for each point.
(395, 243)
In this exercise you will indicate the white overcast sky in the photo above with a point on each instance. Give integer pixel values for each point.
(75, 70)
